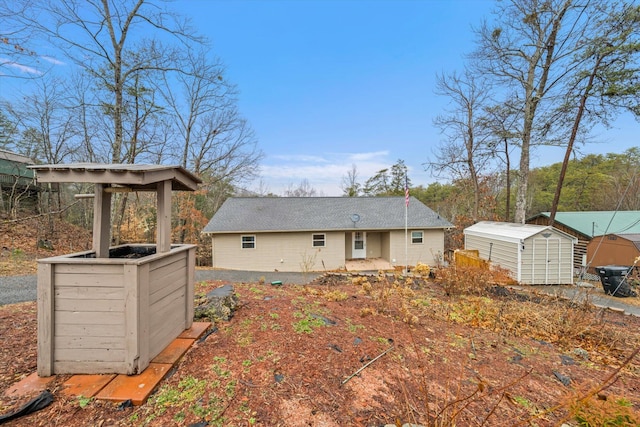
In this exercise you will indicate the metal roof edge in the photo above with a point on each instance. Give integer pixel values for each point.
(493, 236)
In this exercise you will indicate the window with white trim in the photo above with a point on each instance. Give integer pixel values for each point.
(248, 242)
(319, 240)
(417, 237)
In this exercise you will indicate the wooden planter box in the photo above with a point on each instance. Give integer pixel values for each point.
(112, 315)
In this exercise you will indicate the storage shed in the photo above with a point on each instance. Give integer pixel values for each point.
(586, 225)
(613, 249)
(534, 254)
(113, 309)
(17, 183)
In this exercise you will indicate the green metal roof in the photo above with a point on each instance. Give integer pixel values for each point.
(597, 223)
(7, 167)
(13, 167)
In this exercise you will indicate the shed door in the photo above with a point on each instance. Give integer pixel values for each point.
(546, 262)
(359, 249)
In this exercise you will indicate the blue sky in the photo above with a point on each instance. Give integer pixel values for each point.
(334, 83)
(328, 84)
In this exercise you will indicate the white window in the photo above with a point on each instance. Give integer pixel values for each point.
(248, 242)
(416, 237)
(319, 240)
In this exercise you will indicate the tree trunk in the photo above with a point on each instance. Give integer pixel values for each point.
(533, 95)
(572, 139)
(507, 213)
(523, 178)
(119, 220)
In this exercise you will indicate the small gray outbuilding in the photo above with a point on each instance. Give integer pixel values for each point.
(534, 254)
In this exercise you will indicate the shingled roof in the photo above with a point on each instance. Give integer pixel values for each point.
(277, 214)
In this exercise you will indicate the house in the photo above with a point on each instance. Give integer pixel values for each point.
(588, 224)
(534, 254)
(13, 168)
(322, 233)
(16, 180)
(614, 249)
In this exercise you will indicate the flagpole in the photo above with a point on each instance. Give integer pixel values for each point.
(406, 240)
(406, 216)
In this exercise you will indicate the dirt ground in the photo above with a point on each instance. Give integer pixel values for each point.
(25, 240)
(428, 353)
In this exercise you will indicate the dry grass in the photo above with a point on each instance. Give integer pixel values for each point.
(12, 266)
(476, 299)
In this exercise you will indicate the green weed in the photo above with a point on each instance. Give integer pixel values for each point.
(83, 402)
(307, 324)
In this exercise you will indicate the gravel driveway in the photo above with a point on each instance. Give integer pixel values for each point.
(15, 289)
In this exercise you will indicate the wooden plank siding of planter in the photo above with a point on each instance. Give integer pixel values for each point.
(112, 316)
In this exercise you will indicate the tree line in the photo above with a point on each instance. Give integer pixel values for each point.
(596, 182)
(130, 81)
(542, 73)
(142, 86)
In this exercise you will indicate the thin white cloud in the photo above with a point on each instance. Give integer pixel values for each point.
(298, 158)
(356, 157)
(52, 60)
(323, 173)
(22, 68)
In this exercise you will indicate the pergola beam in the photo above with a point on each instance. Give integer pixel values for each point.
(119, 178)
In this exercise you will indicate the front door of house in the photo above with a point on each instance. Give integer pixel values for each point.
(359, 249)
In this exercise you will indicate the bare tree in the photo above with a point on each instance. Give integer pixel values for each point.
(45, 123)
(466, 152)
(213, 138)
(502, 122)
(91, 129)
(19, 59)
(47, 131)
(350, 185)
(606, 77)
(304, 189)
(102, 37)
(8, 128)
(527, 51)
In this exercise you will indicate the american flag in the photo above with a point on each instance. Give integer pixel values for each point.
(406, 191)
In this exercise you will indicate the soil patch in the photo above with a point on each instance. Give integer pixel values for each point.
(287, 356)
(26, 240)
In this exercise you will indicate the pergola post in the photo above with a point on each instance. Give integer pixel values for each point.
(101, 221)
(164, 217)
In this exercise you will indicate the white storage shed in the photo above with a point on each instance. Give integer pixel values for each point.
(535, 254)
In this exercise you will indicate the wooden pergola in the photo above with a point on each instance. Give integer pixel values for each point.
(115, 178)
(107, 314)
